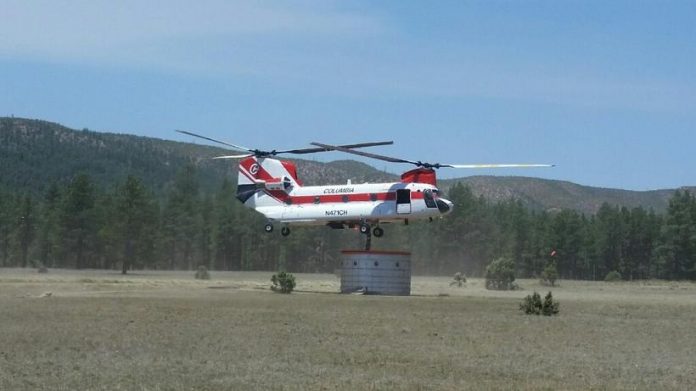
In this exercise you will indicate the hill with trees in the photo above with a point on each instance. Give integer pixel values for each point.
(81, 199)
(549, 195)
(35, 154)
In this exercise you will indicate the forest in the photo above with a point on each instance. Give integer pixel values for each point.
(125, 226)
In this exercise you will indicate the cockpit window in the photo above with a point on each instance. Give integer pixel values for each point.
(429, 200)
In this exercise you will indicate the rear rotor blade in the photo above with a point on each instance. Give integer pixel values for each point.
(215, 141)
(360, 153)
(323, 149)
(496, 165)
(233, 156)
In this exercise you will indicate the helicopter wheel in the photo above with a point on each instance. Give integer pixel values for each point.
(285, 231)
(378, 232)
(268, 228)
(365, 228)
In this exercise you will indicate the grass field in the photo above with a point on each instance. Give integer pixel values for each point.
(96, 330)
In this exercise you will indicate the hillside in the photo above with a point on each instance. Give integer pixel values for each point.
(35, 153)
(552, 194)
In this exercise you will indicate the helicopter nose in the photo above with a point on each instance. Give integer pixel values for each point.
(444, 206)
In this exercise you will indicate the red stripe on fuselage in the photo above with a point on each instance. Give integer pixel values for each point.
(360, 197)
(339, 198)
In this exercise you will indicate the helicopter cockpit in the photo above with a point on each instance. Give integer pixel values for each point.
(432, 200)
(429, 197)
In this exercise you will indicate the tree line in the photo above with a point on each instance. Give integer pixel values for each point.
(126, 226)
(637, 243)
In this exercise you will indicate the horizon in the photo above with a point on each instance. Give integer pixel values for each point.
(606, 91)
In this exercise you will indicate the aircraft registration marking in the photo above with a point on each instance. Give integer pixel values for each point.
(336, 212)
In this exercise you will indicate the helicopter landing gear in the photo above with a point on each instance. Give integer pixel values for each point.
(378, 232)
(268, 228)
(285, 231)
(368, 231)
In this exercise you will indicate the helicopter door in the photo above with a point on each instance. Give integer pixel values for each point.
(403, 201)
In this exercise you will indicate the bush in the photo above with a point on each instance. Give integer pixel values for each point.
(532, 305)
(459, 279)
(500, 274)
(549, 275)
(613, 276)
(202, 273)
(549, 307)
(283, 282)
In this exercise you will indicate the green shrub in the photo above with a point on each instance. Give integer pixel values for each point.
(500, 274)
(202, 273)
(549, 307)
(533, 305)
(283, 282)
(613, 276)
(549, 275)
(459, 279)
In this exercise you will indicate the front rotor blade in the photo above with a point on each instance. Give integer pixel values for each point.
(496, 165)
(215, 141)
(350, 146)
(233, 156)
(366, 154)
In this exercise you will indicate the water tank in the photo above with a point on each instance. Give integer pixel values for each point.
(376, 272)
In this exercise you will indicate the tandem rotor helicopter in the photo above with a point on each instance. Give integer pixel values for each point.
(272, 188)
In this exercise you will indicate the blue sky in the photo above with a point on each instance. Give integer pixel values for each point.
(604, 89)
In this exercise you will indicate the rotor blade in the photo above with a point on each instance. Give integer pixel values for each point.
(495, 165)
(322, 149)
(233, 156)
(215, 141)
(366, 154)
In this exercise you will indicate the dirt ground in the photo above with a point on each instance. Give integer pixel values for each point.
(99, 330)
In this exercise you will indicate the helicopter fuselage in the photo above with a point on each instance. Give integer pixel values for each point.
(272, 188)
(350, 204)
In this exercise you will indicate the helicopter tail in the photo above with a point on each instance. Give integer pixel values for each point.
(265, 181)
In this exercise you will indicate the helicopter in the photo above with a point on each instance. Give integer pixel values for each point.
(272, 187)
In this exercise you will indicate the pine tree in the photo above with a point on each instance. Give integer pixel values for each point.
(567, 242)
(77, 222)
(49, 229)
(609, 239)
(109, 249)
(182, 220)
(25, 230)
(205, 235)
(136, 216)
(226, 246)
(640, 243)
(677, 250)
(7, 207)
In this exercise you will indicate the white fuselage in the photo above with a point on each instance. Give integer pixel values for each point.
(353, 203)
(271, 187)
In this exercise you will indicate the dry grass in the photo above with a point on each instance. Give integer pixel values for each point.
(167, 331)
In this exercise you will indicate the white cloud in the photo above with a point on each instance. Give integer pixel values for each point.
(127, 31)
(316, 47)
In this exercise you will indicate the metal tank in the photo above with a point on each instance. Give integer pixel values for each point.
(376, 272)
